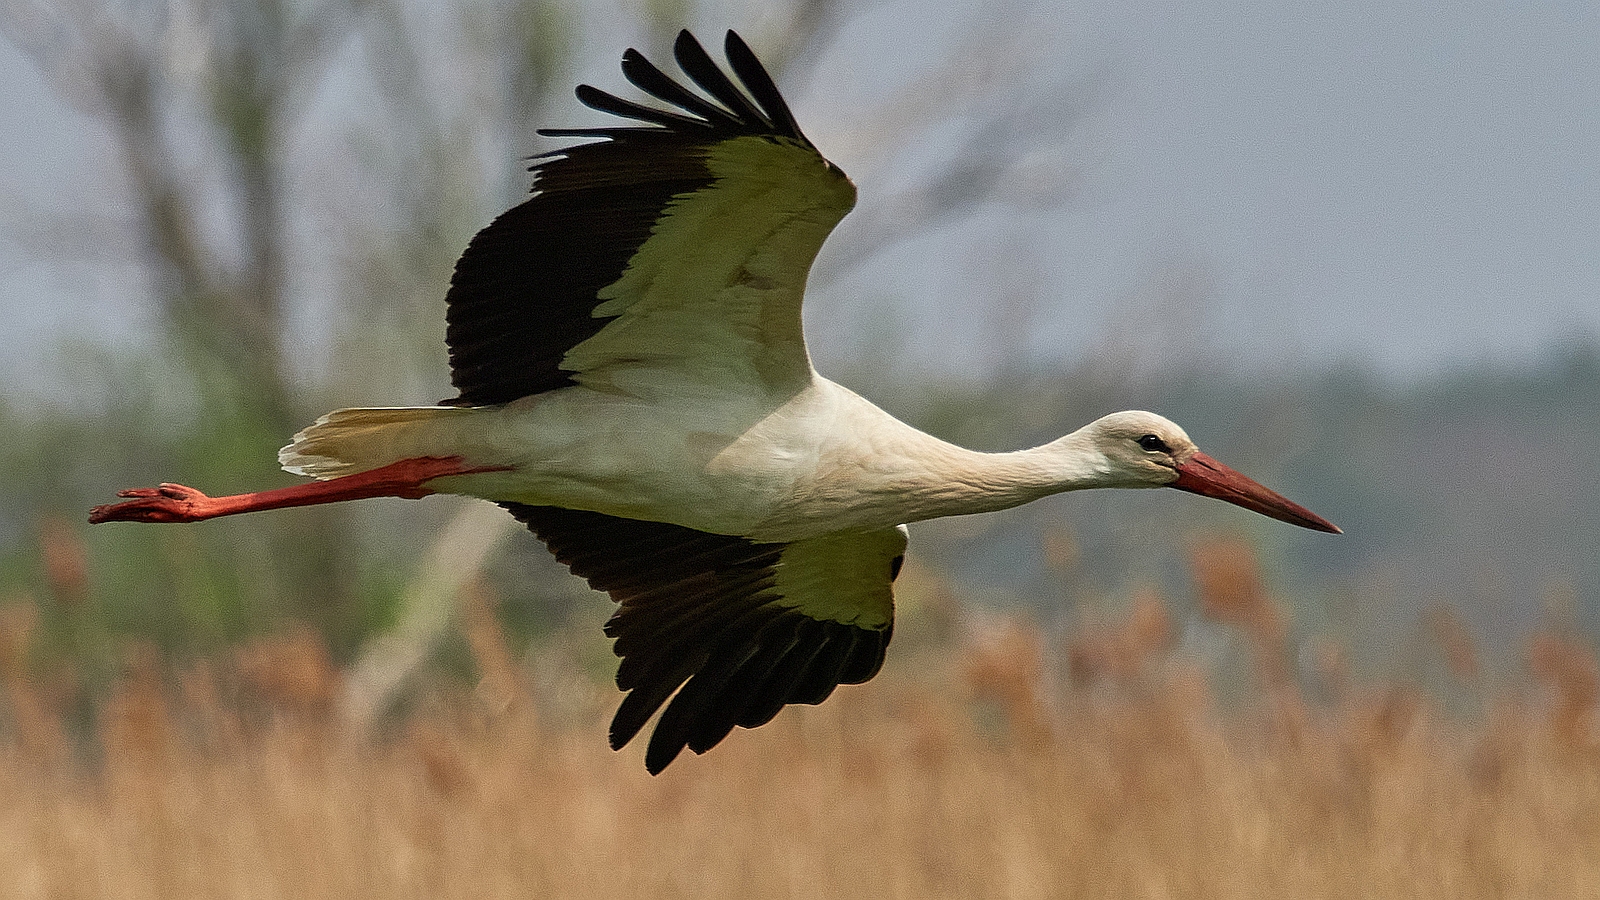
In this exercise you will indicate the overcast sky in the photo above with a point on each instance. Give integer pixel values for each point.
(1410, 186)
(1417, 182)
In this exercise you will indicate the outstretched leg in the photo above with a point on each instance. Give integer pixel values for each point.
(176, 503)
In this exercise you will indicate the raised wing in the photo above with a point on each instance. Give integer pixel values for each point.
(673, 249)
(736, 628)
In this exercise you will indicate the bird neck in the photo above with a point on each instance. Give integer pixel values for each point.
(961, 481)
(1068, 463)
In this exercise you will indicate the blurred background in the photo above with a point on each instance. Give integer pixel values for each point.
(1352, 248)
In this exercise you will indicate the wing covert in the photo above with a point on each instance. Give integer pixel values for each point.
(678, 247)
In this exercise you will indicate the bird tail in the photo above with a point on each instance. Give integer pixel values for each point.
(347, 441)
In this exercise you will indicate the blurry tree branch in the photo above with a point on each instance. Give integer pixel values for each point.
(235, 73)
(1011, 149)
(260, 140)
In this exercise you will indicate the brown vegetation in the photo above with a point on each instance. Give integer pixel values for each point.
(971, 774)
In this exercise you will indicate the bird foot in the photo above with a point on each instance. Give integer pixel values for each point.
(407, 478)
(167, 503)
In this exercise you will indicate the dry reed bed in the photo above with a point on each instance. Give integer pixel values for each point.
(903, 788)
(976, 773)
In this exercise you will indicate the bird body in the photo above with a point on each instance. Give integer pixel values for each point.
(824, 460)
(634, 386)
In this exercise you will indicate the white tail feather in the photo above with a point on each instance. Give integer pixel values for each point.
(346, 441)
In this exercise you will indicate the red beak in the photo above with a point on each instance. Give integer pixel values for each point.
(1202, 475)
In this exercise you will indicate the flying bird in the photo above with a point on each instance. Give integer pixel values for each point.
(634, 386)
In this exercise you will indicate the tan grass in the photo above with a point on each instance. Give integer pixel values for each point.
(895, 789)
(966, 770)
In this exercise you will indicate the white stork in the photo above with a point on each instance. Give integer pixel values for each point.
(634, 386)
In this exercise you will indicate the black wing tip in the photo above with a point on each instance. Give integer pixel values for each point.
(704, 641)
(746, 687)
(660, 755)
(686, 40)
(753, 106)
(758, 81)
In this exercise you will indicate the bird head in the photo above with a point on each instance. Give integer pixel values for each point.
(1142, 449)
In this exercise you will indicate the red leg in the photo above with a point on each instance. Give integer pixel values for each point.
(176, 503)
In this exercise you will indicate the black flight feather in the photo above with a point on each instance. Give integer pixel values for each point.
(701, 628)
(525, 290)
(699, 66)
(646, 77)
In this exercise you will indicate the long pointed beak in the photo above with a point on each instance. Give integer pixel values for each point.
(1202, 475)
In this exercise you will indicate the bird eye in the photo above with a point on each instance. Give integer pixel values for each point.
(1153, 443)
